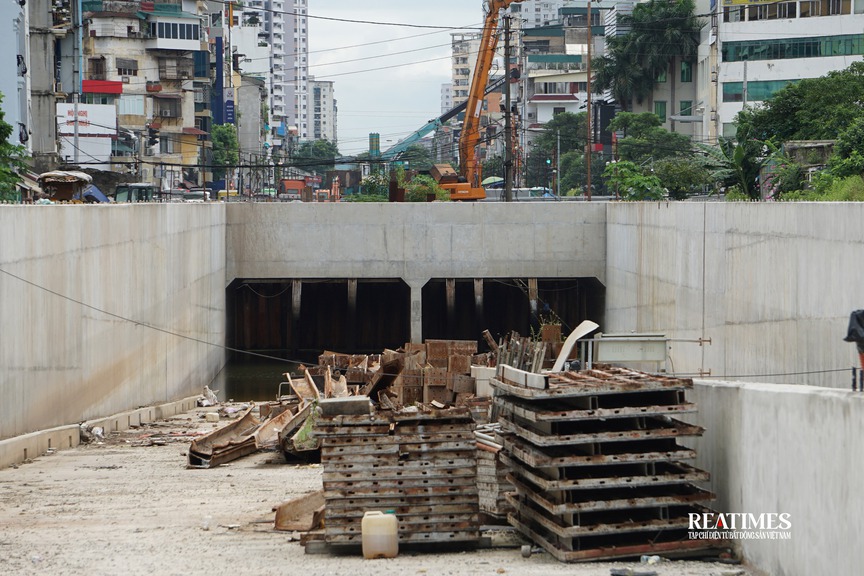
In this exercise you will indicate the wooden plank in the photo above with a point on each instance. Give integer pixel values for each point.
(363, 439)
(685, 474)
(391, 473)
(584, 386)
(533, 456)
(692, 494)
(535, 413)
(461, 509)
(673, 430)
(435, 465)
(402, 500)
(393, 492)
(613, 552)
(554, 525)
(389, 484)
(289, 513)
(437, 538)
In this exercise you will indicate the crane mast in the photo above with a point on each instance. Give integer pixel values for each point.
(469, 188)
(470, 136)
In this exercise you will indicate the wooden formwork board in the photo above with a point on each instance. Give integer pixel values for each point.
(392, 458)
(648, 429)
(540, 412)
(396, 491)
(398, 467)
(385, 485)
(656, 474)
(367, 473)
(438, 538)
(400, 438)
(467, 508)
(650, 520)
(556, 456)
(409, 523)
(591, 551)
(403, 501)
(577, 501)
(575, 384)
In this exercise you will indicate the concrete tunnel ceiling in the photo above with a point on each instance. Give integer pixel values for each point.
(300, 318)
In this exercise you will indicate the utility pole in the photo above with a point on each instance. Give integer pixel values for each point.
(508, 126)
(588, 137)
(558, 163)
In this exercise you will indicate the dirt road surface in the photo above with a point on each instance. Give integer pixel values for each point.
(127, 504)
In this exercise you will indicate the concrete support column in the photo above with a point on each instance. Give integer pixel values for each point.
(450, 289)
(416, 287)
(351, 321)
(533, 296)
(296, 293)
(478, 298)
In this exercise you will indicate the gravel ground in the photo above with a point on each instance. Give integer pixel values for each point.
(129, 505)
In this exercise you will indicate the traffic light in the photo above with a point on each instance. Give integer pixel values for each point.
(548, 161)
(152, 137)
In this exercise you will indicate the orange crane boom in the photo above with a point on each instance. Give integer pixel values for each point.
(470, 188)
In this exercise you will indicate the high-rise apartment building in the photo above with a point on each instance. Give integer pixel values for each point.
(321, 114)
(283, 27)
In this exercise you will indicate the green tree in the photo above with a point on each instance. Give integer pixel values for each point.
(809, 109)
(664, 32)
(646, 140)
(630, 183)
(661, 33)
(315, 156)
(620, 72)
(417, 157)
(737, 162)
(682, 176)
(226, 150)
(12, 159)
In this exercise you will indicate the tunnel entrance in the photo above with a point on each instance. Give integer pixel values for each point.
(298, 319)
(461, 309)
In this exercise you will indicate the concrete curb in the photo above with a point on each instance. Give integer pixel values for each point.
(28, 446)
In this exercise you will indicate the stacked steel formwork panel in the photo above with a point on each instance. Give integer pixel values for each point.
(596, 464)
(420, 466)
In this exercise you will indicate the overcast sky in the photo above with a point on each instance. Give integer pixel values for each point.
(387, 79)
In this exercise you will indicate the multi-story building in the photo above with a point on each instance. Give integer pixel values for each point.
(535, 13)
(14, 79)
(321, 114)
(283, 29)
(749, 51)
(149, 61)
(446, 97)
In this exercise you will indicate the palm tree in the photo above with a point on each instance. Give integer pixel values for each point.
(619, 72)
(662, 32)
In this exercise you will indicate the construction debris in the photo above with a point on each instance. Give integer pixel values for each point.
(594, 459)
(421, 465)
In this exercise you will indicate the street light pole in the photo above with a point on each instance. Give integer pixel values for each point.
(588, 105)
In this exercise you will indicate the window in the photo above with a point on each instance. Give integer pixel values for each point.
(661, 76)
(757, 91)
(686, 108)
(131, 104)
(557, 110)
(660, 109)
(786, 48)
(166, 144)
(686, 71)
(126, 67)
(97, 68)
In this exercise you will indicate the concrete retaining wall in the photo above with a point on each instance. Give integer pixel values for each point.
(107, 308)
(771, 284)
(416, 242)
(793, 449)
